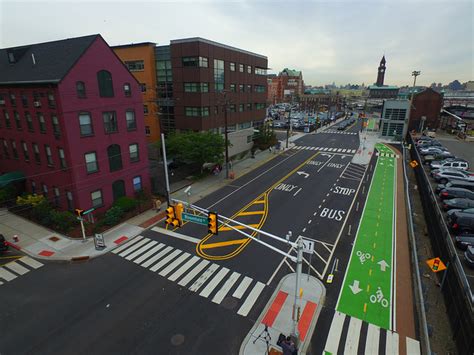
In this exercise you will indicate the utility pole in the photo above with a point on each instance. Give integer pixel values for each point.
(226, 137)
(297, 303)
(165, 164)
(288, 128)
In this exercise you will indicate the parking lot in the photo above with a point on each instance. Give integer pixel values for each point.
(461, 149)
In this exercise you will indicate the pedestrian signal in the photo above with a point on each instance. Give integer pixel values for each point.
(212, 222)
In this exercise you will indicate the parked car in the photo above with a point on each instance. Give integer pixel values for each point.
(462, 224)
(459, 164)
(456, 183)
(443, 176)
(458, 203)
(463, 241)
(469, 256)
(429, 158)
(3, 243)
(454, 192)
(425, 144)
(432, 150)
(466, 210)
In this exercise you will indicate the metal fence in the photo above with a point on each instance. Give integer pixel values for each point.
(455, 288)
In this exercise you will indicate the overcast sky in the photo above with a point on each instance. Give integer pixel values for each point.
(340, 41)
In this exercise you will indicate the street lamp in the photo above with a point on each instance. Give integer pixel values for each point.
(415, 73)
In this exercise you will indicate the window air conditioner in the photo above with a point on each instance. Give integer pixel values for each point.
(37, 104)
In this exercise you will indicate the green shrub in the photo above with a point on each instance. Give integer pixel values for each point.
(126, 203)
(7, 194)
(42, 212)
(113, 216)
(63, 221)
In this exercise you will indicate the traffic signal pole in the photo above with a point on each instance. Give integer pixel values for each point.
(298, 244)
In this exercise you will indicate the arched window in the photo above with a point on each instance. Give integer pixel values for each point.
(80, 89)
(106, 87)
(115, 157)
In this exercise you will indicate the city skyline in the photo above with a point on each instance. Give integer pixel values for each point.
(340, 42)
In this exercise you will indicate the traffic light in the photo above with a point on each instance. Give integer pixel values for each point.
(436, 265)
(178, 210)
(79, 212)
(212, 222)
(171, 217)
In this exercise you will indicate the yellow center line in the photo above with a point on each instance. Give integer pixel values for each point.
(250, 213)
(223, 244)
(11, 257)
(237, 227)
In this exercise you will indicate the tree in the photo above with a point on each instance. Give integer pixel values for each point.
(455, 85)
(196, 147)
(265, 138)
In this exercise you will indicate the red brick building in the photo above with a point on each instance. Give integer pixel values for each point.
(426, 106)
(285, 87)
(71, 122)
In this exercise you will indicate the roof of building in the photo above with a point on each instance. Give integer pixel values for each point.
(290, 72)
(134, 45)
(47, 62)
(316, 91)
(203, 40)
(384, 87)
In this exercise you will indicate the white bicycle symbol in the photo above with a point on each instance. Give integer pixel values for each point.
(363, 256)
(378, 298)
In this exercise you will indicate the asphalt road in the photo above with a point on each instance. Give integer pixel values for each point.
(113, 305)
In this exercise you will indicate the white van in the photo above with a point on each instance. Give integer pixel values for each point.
(451, 164)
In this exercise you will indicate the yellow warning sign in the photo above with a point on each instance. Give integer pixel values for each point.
(413, 163)
(436, 265)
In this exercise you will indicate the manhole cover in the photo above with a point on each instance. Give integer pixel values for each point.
(177, 339)
(53, 238)
(229, 303)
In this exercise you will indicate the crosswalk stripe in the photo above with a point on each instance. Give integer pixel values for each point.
(413, 346)
(127, 244)
(244, 284)
(165, 260)
(15, 267)
(353, 151)
(174, 264)
(7, 275)
(372, 342)
(320, 148)
(156, 257)
(30, 262)
(344, 150)
(339, 150)
(298, 147)
(214, 282)
(148, 253)
(196, 270)
(141, 250)
(183, 268)
(313, 148)
(332, 342)
(325, 149)
(353, 334)
(219, 296)
(251, 298)
(134, 247)
(203, 278)
(391, 343)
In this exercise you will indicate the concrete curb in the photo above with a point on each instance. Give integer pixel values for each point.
(301, 350)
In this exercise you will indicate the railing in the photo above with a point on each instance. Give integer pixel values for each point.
(456, 290)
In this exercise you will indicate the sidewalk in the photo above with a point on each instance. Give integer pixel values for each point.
(277, 316)
(42, 243)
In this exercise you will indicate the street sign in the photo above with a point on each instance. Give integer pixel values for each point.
(194, 219)
(413, 163)
(308, 246)
(88, 211)
(436, 265)
(99, 241)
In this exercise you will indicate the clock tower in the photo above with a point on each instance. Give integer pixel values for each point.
(381, 72)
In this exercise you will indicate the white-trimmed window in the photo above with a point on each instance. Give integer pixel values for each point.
(137, 183)
(133, 150)
(96, 198)
(91, 162)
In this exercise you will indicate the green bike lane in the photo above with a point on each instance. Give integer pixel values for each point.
(368, 287)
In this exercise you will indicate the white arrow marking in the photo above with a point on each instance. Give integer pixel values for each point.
(383, 265)
(326, 155)
(343, 156)
(303, 173)
(355, 287)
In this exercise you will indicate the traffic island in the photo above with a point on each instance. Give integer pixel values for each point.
(277, 316)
